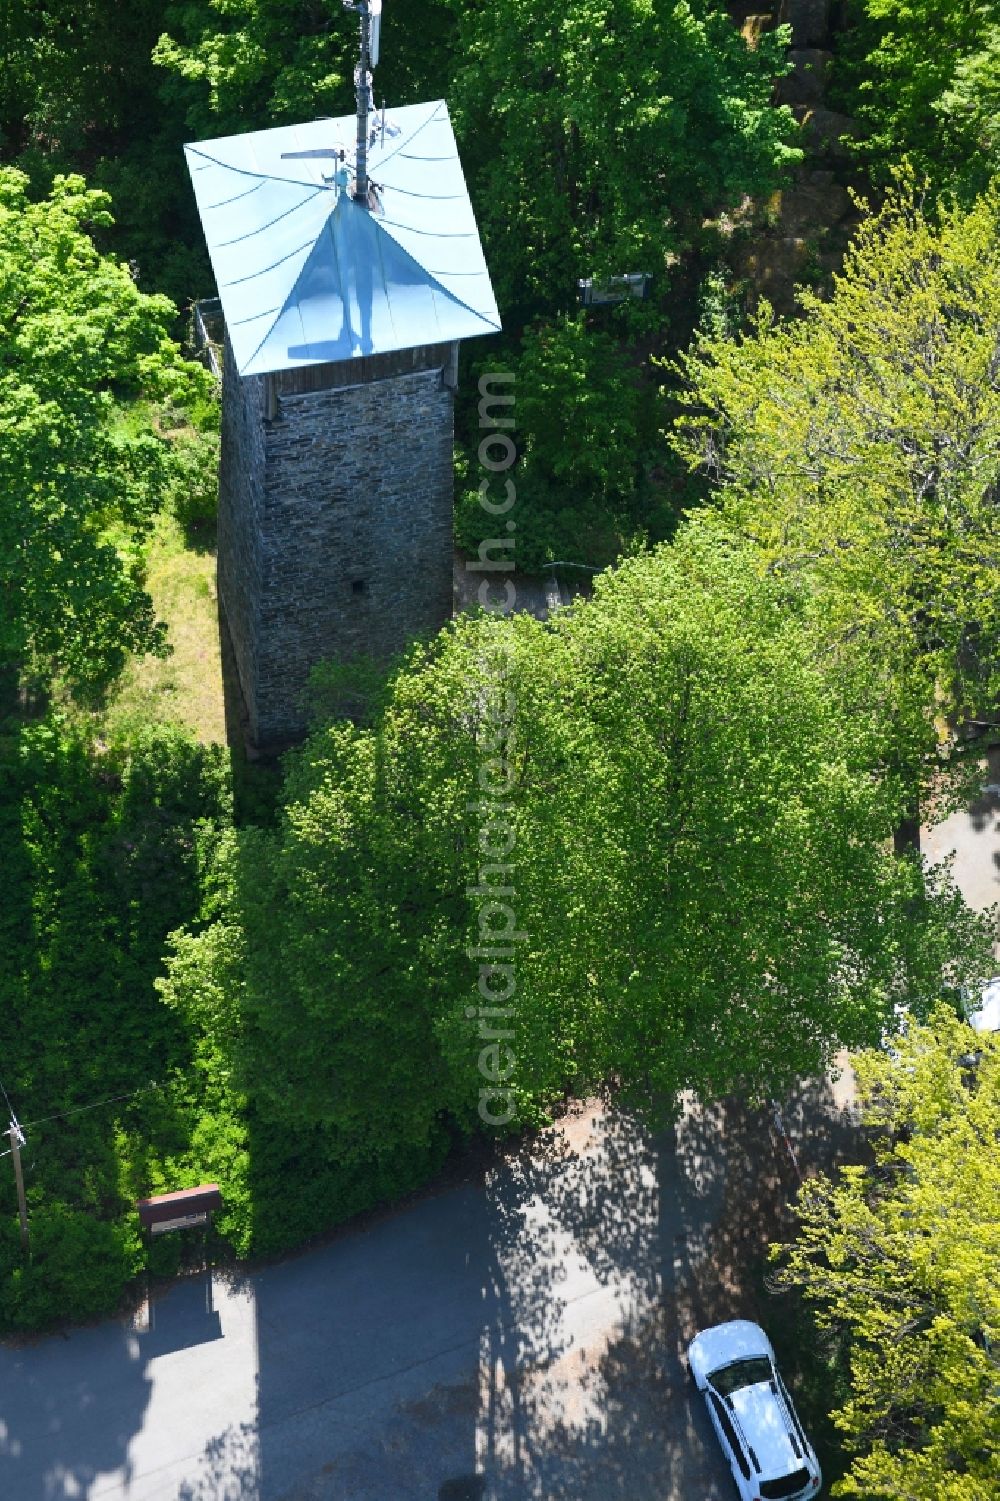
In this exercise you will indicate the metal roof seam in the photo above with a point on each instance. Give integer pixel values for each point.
(391, 187)
(225, 202)
(253, 318)
(385, 279)
(213, 161)
(245, 367)
(302, 324)
(224, 244)
(263, 270)
(336, 253)
(434, 234)
(434, 115)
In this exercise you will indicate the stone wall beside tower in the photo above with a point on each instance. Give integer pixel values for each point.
(335, 519)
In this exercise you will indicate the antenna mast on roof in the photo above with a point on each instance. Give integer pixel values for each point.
(370, 15)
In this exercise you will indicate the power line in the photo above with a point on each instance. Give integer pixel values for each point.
(97, 1104)
(17, 1138)
(79, 1109)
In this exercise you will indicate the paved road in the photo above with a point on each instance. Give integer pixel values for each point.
(525, 1328)
(971, 837)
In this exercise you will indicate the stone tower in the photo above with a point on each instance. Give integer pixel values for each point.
(349, 268)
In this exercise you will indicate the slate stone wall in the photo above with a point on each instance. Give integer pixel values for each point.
(337, 536)
(806, 226)
(242, 469)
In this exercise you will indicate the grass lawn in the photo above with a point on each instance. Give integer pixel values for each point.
(186, 686)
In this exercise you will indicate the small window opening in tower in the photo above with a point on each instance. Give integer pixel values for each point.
(358, 586)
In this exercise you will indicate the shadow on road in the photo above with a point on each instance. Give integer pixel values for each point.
(516, 1337)
(655, 1238)
(69, 1408)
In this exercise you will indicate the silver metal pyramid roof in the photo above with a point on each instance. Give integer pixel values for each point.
(307, 275)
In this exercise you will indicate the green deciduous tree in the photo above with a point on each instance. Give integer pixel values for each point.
(970, 108)
(698, 864)
(82, 470)
(905, 1257)
(79, 92)
(922, 77)
(598, 135)
(578, 473)
(247, 64)
(104, 854)
(859, 448)
(75, 79)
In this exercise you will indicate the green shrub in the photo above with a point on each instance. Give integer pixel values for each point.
(578, 475)
(77, 1269)
(194, 487)
(106, 850)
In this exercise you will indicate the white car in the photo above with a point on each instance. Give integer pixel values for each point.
(771, 1459)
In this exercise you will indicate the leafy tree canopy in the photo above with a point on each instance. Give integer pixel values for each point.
(603, 132)
(81, 469)
(244, 64)
(577, 479)
(970, 108)
(698, 859)
(859, 447)
(104, 854)
(922, 76)
(74, 77)
(905, 1257)
(255, 62)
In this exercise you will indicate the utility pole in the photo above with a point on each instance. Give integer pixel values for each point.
(16, 1143)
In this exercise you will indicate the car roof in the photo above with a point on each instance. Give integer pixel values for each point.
(766, 1427)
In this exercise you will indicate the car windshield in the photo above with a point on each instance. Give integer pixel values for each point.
(729, 1378)
(788, 1485)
